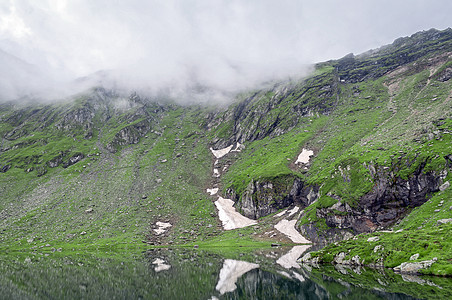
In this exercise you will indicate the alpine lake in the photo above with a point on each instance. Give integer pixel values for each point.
(202, 273)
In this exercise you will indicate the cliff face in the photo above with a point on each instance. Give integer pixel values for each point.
(390, 199)
(263, 198)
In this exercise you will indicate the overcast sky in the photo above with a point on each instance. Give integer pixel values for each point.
(227, 44)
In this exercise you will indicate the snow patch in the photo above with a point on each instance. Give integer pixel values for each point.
(281, 213)
(162, 227)
(216, 173)
(293, 211)
(212, 191)
(221, 152)
(238, 147)
(230, 218)
(304, 156)
(288, 228)
(230, 272)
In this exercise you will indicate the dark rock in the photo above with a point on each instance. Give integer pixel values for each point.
(5, 168)
(129, 135)
(263, 198)
(381, 207)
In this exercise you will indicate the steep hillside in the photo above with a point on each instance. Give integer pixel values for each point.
(105, 168)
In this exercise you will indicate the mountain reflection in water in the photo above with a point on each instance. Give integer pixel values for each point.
(183, 273)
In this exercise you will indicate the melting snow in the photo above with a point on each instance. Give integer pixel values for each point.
(281, 213)
(162, 227)
(221, 152)
(212, 191)
(230, 272)
(293, 211)
(230, 218)
(304, 156)
(288, 228)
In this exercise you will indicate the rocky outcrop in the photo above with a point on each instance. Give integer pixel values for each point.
(129, 135)
(414, 267)
(5, 168)
(262, 198)
(352, 69)
(388, 201)
(60, 160)
(73, 159)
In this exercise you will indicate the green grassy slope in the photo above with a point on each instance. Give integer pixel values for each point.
(105, 168)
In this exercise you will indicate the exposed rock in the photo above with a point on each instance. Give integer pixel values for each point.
(129, 135)
(5, 168)
(443, 221)
(378, 248)
(414, 256)
(89, 210)
(262, 198)
(340, 259)
(414, 267)
(73, 160)
(305, 258)
(356, 260)
(381, 207)
(373, 239)
(444, 186)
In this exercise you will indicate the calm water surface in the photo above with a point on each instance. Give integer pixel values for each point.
(202, 274)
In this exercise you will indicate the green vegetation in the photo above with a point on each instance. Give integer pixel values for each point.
(419, 233)
(101, 170)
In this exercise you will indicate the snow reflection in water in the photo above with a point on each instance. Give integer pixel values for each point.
(289, 260)
(231, 271)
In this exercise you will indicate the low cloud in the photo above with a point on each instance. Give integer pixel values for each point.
(189, 47)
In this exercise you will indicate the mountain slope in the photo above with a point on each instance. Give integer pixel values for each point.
(105, 168)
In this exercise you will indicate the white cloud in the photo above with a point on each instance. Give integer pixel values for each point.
(12, 25)
(228, 44)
